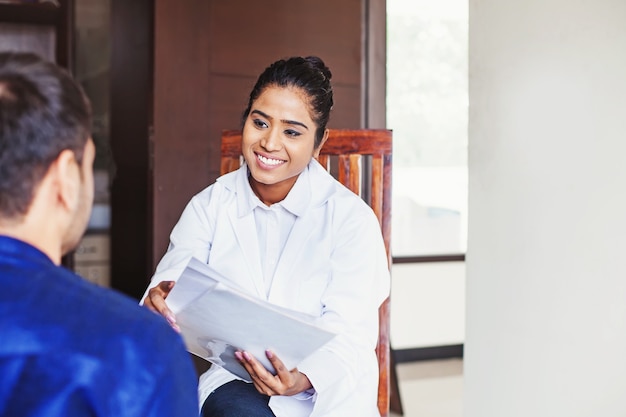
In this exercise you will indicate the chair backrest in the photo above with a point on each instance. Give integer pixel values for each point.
(344, 154)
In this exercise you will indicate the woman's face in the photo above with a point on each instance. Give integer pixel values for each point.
(278, 141)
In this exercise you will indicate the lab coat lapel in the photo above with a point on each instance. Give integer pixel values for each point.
(286, 282)
(244, 228)
(285, 285)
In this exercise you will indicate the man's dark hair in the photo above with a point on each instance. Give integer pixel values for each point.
(43, 111)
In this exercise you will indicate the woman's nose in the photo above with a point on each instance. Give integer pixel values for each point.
(271, 141)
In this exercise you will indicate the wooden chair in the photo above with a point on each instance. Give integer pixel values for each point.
(344, 154)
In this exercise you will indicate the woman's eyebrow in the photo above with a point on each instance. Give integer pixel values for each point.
(293, 122)
(289, 122)
(259, 112)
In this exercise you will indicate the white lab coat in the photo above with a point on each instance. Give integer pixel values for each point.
(333, 266)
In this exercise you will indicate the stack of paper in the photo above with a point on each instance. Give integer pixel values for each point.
(216, 320)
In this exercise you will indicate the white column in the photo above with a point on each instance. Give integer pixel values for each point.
(546, 261)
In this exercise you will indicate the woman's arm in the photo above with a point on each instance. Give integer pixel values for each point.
(190, 237)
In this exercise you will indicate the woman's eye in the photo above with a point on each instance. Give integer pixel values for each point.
(292, 133)
(259, 123)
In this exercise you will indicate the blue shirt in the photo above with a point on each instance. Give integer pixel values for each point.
(69, 348)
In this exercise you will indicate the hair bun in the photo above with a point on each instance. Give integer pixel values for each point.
(317, 63)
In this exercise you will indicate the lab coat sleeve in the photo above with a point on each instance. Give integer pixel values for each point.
(359, 284)
(190, 237)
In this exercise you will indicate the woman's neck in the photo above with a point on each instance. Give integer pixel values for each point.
(272, 193)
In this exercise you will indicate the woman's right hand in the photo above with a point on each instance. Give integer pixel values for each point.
(155, 301)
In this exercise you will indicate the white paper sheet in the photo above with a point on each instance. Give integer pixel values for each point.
(216, 320)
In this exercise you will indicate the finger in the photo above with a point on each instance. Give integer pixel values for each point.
(254, 377)
(279, 366)
(269, 382)
(156, 299)
(286, 377)
(263, 389)
(163, 289)
(156, 302)
(293, 381)
(246, 365)
(256, 366)
(261, 386)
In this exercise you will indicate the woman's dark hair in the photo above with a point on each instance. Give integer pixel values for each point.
(311, 75)
(42, 113)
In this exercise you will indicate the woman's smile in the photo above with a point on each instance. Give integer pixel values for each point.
(269, 161)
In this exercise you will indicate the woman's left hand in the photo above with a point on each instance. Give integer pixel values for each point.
(285, 382)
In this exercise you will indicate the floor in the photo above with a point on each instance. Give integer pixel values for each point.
(431, 388)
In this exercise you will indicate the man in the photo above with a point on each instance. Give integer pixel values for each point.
(67, 347)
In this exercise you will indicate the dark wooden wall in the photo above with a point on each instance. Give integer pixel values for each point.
(172, 100)
(182, 104)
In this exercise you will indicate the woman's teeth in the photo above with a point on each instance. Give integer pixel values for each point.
(268, 161)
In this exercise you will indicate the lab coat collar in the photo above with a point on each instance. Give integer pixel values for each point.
(312, 188)
(317, 185)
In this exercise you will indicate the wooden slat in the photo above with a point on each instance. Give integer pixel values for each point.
(323, 160)
(229, 164)
(363, 142)
(354, 183)
(377, 187)
(382, 353)
(386, 201)
(231, 143)
(343, 174)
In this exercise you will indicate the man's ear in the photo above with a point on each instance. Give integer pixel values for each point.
(316, 152)
(66, 173)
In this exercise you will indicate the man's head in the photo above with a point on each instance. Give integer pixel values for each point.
(46, 151)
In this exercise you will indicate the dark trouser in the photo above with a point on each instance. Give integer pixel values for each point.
(237, 399)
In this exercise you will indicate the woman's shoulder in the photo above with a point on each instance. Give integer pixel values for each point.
(341, 206)
(327, 190)
(223, 187)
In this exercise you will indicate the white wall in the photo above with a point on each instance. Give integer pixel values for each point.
(427, 304)
(546, 269)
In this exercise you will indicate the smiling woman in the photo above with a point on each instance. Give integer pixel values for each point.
(283, 230)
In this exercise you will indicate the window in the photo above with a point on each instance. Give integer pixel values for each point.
(427, 108)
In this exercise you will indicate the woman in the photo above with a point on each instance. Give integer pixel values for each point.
(285, 231)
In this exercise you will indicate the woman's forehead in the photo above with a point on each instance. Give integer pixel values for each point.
(278, 101)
